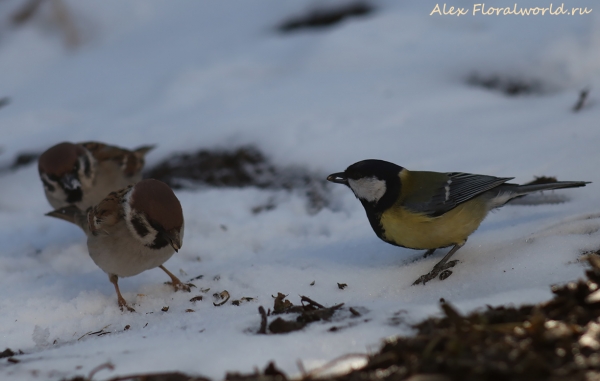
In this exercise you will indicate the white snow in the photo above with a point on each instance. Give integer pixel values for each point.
(196, 74)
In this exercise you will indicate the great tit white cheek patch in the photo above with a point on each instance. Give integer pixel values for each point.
(370, 189)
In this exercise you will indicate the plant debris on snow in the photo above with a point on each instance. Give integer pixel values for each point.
(555, 340)
(308, 312)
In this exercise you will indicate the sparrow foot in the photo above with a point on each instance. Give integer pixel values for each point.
(180, 286)
(123, 304)
(437, 269)
(176, 283)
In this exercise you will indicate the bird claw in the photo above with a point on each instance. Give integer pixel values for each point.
(123, 304)
(180, 286)
(442, 271)
(445, 274)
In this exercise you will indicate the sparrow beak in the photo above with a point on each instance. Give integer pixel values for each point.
(338, 178)
(68, 213)
(174, 239)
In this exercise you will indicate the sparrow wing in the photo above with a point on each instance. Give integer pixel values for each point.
(143, 150)
(434, 194)
(107, 213)
(131, 162)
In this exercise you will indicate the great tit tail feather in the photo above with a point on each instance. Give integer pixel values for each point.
(508, 192)
(525, 189)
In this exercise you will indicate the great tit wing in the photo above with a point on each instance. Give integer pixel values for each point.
(434, 195)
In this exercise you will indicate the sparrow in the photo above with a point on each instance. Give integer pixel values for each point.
(430, 210)
(132, 230)
(83, 174)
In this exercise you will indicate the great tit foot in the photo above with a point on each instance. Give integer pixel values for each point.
(437, 269)
(445, 274)
(425, 278)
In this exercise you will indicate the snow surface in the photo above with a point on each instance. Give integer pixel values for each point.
(199, 74)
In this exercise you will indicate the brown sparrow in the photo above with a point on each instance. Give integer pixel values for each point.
(132, 230)
(83, 174)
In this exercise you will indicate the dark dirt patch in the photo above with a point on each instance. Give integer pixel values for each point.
(7, 353)
(510, 86)
(542, 180)
(240, 167)
(325, 17)
(21, 160)
(24, 159)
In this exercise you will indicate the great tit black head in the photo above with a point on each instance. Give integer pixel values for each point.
(375, 183)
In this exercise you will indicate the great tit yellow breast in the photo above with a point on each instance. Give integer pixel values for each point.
(418, 231)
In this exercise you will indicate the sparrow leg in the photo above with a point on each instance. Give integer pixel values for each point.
(428, 253)
(175, 282)
(114, 279)
(441, 266)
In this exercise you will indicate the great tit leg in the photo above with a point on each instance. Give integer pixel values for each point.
(428, 253)
(114, 279)
(441, 263)
(440, 266)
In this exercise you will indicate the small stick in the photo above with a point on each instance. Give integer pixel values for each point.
(582, 98)
(106, 365)
(310, 301)
(263, 320)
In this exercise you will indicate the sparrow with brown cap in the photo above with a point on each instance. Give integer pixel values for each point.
(132, 230)
(83, 174)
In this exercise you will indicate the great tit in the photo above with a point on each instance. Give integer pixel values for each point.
(430, 210)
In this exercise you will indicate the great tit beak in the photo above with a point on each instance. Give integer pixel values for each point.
(174, 239)
(338, 178)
